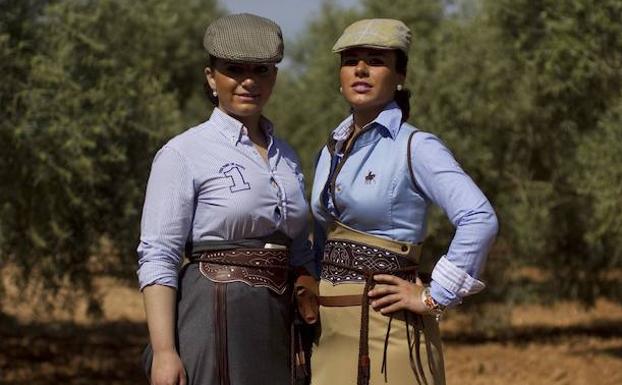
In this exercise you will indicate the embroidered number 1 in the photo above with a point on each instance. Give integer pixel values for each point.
(232, 171)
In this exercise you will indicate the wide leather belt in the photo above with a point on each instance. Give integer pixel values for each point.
(257, 267)
(351, 256)
(266, 267)
(341, 300)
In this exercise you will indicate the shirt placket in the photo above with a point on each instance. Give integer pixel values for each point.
(338, 161)
(280, 210)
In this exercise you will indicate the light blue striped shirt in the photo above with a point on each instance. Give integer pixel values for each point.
(374, 193)
(210, 183)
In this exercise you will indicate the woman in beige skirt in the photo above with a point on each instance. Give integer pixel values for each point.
(374, 182)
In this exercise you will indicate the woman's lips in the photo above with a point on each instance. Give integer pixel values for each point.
(247, 97)
(361, 87)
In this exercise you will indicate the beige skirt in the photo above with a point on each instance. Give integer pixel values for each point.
(335, 357)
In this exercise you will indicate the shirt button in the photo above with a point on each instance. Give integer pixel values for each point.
(338, 189)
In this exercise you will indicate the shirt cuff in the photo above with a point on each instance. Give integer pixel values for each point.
(455, 280)
(156, 274)
(443, 296)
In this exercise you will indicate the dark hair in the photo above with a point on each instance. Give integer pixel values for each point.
(209, 92)
(402, 98)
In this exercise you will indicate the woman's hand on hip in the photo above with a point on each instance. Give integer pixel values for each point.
(392, 293)
(167, 369)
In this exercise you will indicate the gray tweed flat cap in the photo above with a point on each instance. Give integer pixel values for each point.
(244, 38)
(375, 33)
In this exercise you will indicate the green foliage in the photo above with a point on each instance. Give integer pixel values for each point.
(94, 89)
(569, 65)
(526, 94)
(600, 177)
(599, 182)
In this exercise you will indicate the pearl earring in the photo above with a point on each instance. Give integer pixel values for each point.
(341, 90)
(400, 87)
(215, 94)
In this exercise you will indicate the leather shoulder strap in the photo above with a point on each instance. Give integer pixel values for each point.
(317, 158)
(409, 158)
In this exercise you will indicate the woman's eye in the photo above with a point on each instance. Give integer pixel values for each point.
(375, 62)
(349, 62)
(261, 69)
(234, 69)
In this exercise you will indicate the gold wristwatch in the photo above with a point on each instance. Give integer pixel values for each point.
(435, 308)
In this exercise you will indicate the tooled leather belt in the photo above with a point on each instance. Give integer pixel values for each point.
(349, 261)
(256, 267)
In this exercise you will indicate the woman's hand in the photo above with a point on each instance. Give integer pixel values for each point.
(166, 366)
(167, 369)
(392, 293)
(306, 288)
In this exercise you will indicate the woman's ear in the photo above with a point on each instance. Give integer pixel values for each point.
(209, 75)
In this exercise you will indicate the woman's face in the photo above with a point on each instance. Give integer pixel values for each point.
(243, 88)
(368, 78)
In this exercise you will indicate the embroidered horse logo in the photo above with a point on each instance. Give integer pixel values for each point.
(234, 173)
(370, 178)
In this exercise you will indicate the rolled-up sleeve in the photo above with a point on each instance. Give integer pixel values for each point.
(166, 219)
(441, 179)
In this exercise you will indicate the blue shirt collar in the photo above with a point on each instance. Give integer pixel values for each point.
(390, 118)
(233, 128)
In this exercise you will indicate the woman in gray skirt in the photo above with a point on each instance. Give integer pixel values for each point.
(230, 196)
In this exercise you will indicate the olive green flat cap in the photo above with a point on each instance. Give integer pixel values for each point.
(375, 33)
(244, 38)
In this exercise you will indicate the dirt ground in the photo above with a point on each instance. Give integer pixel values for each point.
(562, 344)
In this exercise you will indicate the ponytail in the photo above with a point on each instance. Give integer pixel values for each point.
(402, 99)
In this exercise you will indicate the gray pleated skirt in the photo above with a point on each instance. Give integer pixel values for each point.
(258, 332)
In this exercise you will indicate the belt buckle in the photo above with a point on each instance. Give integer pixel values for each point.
(274, 246)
